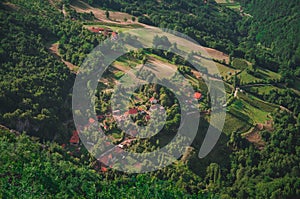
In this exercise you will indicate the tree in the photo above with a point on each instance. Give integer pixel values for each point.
(107, 14)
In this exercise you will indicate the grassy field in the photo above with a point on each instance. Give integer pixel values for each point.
(250, 113)
(233, 123)
(239, 63)
(245, 112)
(260, 75)
(226, 71)
(267, 74)
(247, 78)
(265, 90)
(259, 109)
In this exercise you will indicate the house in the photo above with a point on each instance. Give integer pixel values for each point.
(197, 95)
(114, 36)
(147, 117)
(133, 111)
(75, 138)
(103, 169)
(97, 30)
(91, 121)
(153, 100)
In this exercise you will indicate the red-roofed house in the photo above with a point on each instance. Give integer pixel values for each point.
(197, 95)
(103, 169)
(97, 30)
(153, 100)
(114, 36)
(147, 117)
(91, 121)
(133, 111)
(75, 138)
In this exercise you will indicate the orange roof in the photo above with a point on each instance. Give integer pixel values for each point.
(197, 95)
(114, 34)
(103, 169)
(74, 140)
(91, 120)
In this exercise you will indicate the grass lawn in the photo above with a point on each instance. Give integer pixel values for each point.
(254, 115)
(259, 109)
(247, 78)
(265, 90)
(267, 74)
(233, 123)
(245, 112)
(239, 63)
(226, 71)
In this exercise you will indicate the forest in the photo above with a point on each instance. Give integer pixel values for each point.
(262, 42)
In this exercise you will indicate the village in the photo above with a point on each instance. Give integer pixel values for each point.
(141, 111)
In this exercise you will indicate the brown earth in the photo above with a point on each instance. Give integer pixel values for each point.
(215, 54)
(254, 137)
(114, 17)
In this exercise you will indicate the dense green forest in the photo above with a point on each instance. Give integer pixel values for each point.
(36, 87)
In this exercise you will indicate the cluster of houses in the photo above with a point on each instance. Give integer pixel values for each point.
(118, 116)
(105, 32)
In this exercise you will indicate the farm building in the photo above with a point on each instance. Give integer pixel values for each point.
(97, 30)
(197, 95)
(133, 111)
(75, 138)
(153, 100)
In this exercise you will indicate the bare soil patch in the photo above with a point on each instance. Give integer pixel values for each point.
(215, 54)
(114, 17)
(254, 137)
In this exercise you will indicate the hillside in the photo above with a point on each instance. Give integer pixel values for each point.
(44, 45)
